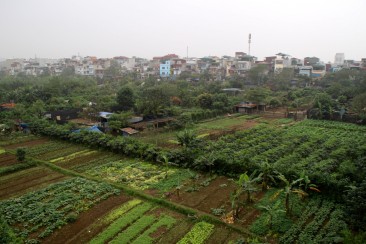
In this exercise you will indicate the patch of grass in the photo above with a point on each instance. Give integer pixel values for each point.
(2, 150)
(284, 121)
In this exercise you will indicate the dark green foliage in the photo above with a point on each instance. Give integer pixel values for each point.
(16, 167)
(187, 138)
(126, 98)
(205, 100)
(7, 234)
(20, 153)
(356, 205)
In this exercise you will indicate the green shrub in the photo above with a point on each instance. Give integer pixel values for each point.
(20, 153)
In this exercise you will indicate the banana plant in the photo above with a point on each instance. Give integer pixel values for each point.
(271, 210)
(268, 174)
(289, 189)
(248, 183)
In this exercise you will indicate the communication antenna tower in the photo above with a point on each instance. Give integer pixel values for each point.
(249, 41)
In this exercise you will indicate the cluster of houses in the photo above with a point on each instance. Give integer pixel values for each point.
(171, 65)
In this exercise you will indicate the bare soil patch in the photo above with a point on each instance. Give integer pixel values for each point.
(27, 143)
(159, 232)
(214, 195)
(176, 233)
(219, 235)
(27, 180)
(7, 159)
(79, 160)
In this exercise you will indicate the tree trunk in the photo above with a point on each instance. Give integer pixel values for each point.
(264, 186)
(287, 202)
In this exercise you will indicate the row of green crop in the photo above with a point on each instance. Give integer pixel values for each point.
(330, 233)
(165, 221)
(321, 222)
(16, 167)
(198, 234)
(53, 150)
(129, 223)
(310, 230)
(53, 206)
(291, 235)
(15, 138)
(330, 157)
(118, 225)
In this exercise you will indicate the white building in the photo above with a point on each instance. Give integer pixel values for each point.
(282, 61)
(339, 59)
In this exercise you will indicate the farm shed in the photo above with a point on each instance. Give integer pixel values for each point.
(245, 107)
(62, 116)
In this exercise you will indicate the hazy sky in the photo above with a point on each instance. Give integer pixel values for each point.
(147, 28)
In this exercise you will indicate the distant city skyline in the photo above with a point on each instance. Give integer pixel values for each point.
(60, 29)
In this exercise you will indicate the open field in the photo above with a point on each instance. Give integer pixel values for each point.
(36, 202)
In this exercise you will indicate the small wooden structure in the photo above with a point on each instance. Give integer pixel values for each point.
(156, 123)
(128, 131)
(245, 107)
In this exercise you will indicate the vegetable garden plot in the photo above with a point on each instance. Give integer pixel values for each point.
(134, 222)
(30, 179)
(38, 214)
(21, 140)
(54, 150)
(140, 175)
(206, 194)
(90, 222)
(7, 159)
(78, 158)
(198, 234)
(97, 160)
(321, 222)
(325, 153)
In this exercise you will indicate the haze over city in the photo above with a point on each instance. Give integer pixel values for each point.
(55, 29)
